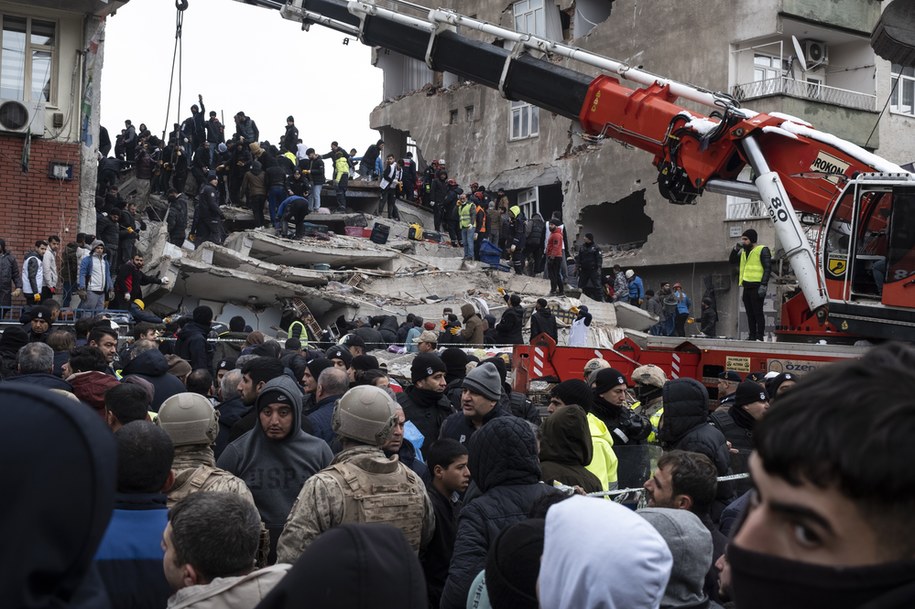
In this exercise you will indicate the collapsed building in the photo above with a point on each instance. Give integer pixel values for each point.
(330, 273)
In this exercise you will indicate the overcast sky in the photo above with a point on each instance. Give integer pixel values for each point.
(239, 57)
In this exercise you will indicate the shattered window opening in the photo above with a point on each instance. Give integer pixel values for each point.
(621, 224)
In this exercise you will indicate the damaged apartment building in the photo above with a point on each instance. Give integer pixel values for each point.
(804, 58)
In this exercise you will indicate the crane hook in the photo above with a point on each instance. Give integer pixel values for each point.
(181, 5)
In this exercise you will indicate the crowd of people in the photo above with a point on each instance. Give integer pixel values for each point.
(247, 473)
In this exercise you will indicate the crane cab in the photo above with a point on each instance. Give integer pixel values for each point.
(867, 250)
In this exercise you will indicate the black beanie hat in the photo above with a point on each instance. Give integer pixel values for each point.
(318, 365)
(513, 565)
(499, 363)
(425, 365)
(337, 352)
(202, 315)
(607, 379)
(574, 391)
(751, 235)
(13, 339)
(455, 362)
(365, 362)
(749, 392)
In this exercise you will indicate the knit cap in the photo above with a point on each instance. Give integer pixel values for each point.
(341, 353)
(749, 392)
(425, 365)
(455, 362)
(607, 379)
(574, 391)
(484, 379)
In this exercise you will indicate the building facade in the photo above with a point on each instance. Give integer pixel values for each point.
(799, 57)
(50, 52)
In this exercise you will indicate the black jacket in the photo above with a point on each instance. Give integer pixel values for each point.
(508, 330)
(566, 449)
(315, 169)
(503, 457)
(459, 427)
(107, 230)
(193, 346)
(543, 320)
(152, 366)
(684, 424)
(427, 410)
(230, 412)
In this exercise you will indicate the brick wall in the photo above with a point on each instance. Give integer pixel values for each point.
(34, 205)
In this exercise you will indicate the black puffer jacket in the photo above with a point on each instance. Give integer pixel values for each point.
(508, 330)
(427, 410)
(152, 366)
(503, 459)
(685, 426)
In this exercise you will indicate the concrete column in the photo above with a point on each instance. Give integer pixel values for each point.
(94, 45)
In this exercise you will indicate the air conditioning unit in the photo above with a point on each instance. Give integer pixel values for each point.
(22, 117)
(816, 53)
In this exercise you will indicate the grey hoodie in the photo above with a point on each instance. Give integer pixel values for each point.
(690, 544)
(275, 470)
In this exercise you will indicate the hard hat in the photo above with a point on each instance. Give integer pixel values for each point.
(629, 274)
(139, 303)
(366, 414)
(595, 363)
(189, 418)
(649, 374)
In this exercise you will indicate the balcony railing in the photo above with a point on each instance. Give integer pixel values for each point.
(804, 90)
(742, 209)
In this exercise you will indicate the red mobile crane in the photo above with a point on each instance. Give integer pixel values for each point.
(859, 281)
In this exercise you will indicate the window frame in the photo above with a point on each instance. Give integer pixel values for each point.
(528, 123)
(28, 51)
(897, 97)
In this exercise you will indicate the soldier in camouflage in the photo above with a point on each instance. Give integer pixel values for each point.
(191, 422)
(361, 484)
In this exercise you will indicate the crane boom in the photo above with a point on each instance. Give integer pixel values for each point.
(797, 168)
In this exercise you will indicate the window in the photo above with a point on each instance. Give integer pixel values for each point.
(767, 67)
(468, 113)
(452, 117)
(528, 202)
(530, 17)
(902, 99)
(27, 59)
(525, 121)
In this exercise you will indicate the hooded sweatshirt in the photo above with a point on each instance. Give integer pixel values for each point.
(275, 470)
(685, 426)
(566, 449)
(52, 529)
(503, 459)
(690, 544)
(353, 566)
(601, 555)
(91, 386)
(153, 367)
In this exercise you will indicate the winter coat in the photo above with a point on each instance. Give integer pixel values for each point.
(508, 330)
(152, 366)
(9, 273)
(242, 591)
(503, 457)
(685, 426)
(427, 410)
(315, 169)
(321, 418)
(472, 332)
(565, 449)
(107, 230)
(91, 386)
(193, 346)
(253, 185)
(543, 321)
(41, 379)
(459, 426)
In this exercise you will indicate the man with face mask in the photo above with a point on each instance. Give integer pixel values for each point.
(830, 522)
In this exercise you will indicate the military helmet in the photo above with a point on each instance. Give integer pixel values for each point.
(649, 374)
(366, 414)
(594, 364)
(189, 418)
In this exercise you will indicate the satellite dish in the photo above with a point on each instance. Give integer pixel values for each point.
(799, 53)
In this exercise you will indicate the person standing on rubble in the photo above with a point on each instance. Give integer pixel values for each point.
(341, 178)
(391, 182)
(207, 224)
(515, 240)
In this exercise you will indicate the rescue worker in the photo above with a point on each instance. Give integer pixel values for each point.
(361, 484)
(629, 429)
(755, 268)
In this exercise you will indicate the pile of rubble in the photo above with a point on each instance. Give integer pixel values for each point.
(336, 274)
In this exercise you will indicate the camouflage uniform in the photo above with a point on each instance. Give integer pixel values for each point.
(195, 470)
(342, 493)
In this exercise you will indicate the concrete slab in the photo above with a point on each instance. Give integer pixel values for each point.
(336, 250)
(632, 317)
(217, 255)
